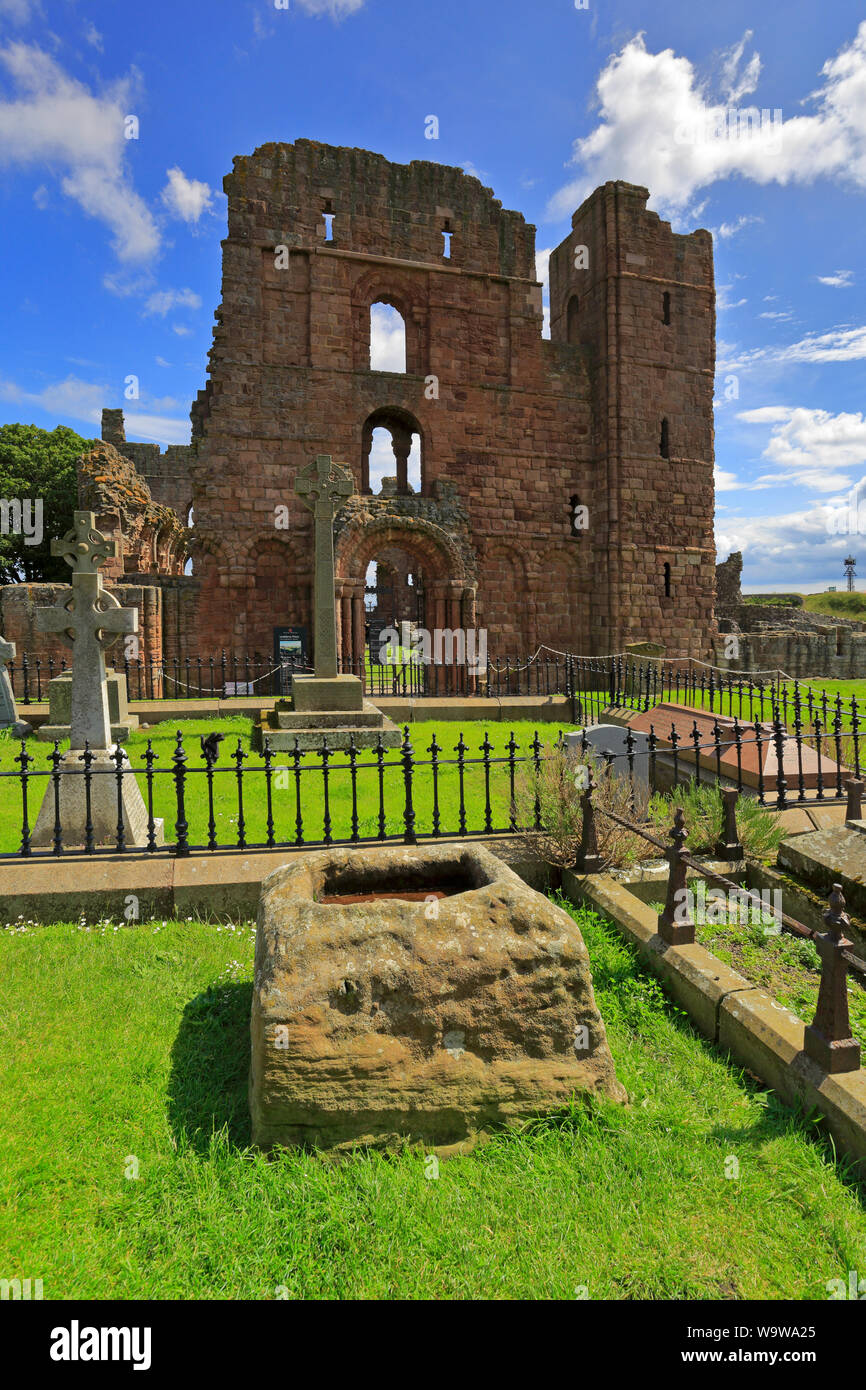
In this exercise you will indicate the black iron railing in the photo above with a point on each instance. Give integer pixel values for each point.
(828, 1039)
(376, 795)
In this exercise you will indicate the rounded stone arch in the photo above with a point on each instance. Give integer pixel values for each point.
(502, 593)
(561, 607)
(279, 589)
(401, 424)
(448, 586)
(404, 293)
(169, 549)
(359, 544)
(216, 625)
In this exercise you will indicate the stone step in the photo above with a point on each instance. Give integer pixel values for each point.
(283, 740)
(329, 719)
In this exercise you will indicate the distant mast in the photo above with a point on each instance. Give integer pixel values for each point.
(850, 564)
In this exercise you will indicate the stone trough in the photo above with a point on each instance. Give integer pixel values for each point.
(416, 995)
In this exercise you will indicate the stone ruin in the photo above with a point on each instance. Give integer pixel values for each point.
(780, 637)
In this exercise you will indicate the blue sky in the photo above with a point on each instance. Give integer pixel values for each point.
(109, 247)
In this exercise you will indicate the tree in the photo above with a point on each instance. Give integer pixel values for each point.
(38, 494)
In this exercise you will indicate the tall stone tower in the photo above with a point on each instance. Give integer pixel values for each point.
(640, 301)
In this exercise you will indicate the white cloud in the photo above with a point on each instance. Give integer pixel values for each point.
(387, 339)
(335, 9)
(186, 198)
(723, 301)
(161, 362)
(93, 37)
(729, 229)
(736, 84)
(843, 344)
(157, 429)
(726, 482)
(80, 400)
(55, 122)
(18, 11)
(811, 448)
(181, 330)
(840, 281)
(163, 301)
(776, 314)
(542, 273)
(659, 126)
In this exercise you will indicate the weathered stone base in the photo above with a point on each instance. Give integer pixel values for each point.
(341, 727)
(389, 1022)
(49, 733)
(103, 805)
(315, 693)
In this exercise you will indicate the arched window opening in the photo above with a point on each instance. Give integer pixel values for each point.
(387, 338)
(391, 452)
(664, 441)
(190, 515)
(571, 320)
(446, 237)
(667, 580)
(392, 457)
(666, 307)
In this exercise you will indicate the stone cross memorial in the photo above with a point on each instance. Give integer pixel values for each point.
(324, 486)
(90, 619)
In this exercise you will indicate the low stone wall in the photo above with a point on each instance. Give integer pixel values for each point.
(18, 605)
(737, 1016)
(836, 653)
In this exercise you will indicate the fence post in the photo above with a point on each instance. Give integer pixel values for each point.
(409, 837)
(827, 1039)
(178, 757)
(588, 859)
(676, 927)
(854, 809)
(728, 845)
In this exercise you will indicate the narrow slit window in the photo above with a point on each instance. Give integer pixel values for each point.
(667, 580)
(666, 307)
(329, 225)
(664, 441)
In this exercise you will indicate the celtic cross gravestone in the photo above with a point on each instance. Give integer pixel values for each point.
(323, 486)
(90, 619)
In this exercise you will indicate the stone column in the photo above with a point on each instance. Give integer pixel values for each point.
(358, 625)
(346, 625)
(401, 442)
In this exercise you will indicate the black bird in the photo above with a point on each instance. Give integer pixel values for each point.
(210, 747)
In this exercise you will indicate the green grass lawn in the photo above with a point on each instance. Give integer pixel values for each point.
(127, 1050)
(284, 788)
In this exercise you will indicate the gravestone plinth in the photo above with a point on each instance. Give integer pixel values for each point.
(60, 708)
(103, 810)
(317, 694)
